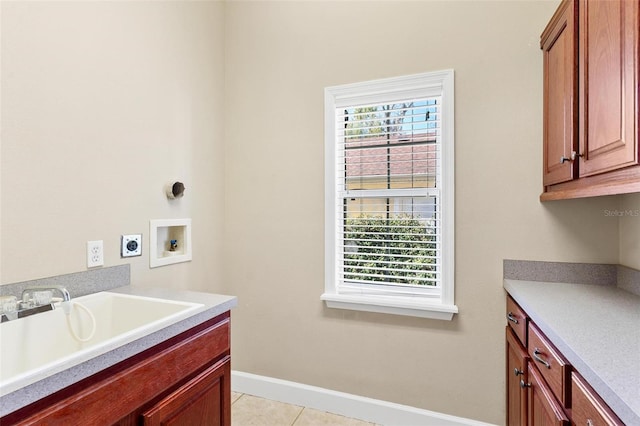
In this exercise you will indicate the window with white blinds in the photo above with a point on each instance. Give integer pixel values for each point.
(389, 195)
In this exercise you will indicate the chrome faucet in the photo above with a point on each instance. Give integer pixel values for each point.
(34, 300)
(41, 295)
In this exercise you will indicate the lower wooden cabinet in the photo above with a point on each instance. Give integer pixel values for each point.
(543, 408)
(202, 401)
(550, 363)
(530, 401)
(587, 407)
(542, 387)
(516, 374)
(183, 381)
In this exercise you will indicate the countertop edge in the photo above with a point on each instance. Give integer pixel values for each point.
(615, 402)
(214, 305)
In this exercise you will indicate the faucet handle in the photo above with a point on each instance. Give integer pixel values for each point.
(8, 304)
(42, 297)
(8, 308)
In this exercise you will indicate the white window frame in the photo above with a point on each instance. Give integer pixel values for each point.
(438, 306)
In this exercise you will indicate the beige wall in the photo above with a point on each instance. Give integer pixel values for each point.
(230, 100)
(103, 103)
(279, 57)
(630, 231)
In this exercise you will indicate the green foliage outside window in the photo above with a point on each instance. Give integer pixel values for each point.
(395, 250)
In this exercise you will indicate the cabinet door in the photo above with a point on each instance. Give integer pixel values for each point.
(608, 60)
(204, 400)
(587, 407)
(516, 371)
(558, 44)
(544, 409)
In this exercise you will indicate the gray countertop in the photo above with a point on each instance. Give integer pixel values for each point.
(597, 329)
(214, 305)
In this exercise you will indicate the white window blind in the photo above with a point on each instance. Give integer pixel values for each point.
(389, 186)
(388, 196)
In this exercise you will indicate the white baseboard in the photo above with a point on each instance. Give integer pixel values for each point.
(344, 404)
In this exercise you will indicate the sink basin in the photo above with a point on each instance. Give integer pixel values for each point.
(41, 345)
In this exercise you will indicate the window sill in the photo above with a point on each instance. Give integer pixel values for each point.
(408, 306)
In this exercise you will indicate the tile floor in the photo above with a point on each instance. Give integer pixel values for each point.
(247, 410)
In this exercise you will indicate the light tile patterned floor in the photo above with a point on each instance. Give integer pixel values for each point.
(247, 410)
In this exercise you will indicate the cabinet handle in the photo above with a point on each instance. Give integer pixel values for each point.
(572, 158)
(511, 318)
(589, 422)
(536, 356)
(517, 372)
(524, 385)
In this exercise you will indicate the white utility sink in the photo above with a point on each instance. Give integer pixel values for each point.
(41, 345)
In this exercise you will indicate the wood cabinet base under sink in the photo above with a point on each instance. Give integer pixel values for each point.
(186, 377)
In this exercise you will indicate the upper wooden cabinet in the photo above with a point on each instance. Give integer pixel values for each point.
(608, 55)
(560, 85)
(591, 123)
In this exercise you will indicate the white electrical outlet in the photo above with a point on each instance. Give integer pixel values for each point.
(95, 254)
(131, 245)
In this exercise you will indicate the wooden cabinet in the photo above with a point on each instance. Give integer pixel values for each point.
(608, 76)
(542, 387)
(184, 380)
(517, 320)
(544, 409)
(591, 123)
(558, 44)
(587, 407)
(199, 402)
(517, 377)
(551, 364)
(533, 397)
